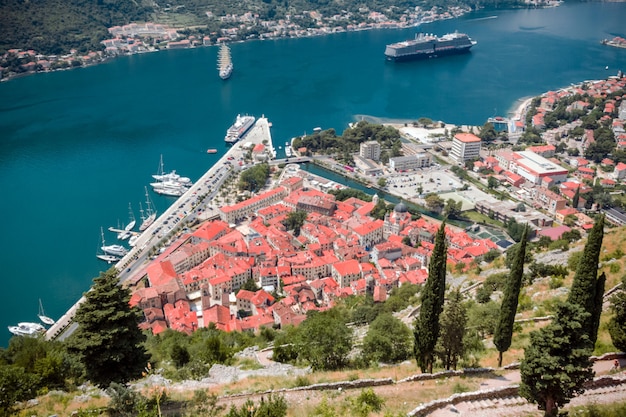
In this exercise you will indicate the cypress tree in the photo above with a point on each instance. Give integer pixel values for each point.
(584, 285)
(597, 308)
(504, 328)
(426, 330)
(108, 340)
(576, 198)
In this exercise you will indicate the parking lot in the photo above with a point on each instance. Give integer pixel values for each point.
(432, 180)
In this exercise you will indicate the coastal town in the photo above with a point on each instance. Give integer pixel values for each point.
(274, 274)
(142, 37)
(240, 267)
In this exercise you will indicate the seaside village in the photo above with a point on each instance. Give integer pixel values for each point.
(341, 250)
(143, 37)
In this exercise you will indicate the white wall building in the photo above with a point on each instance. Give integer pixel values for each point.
(465, 146)
(370, 150)
(410, 162)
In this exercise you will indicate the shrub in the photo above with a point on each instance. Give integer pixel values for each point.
(367, 402)
(555, 282)
(301, 381)
(459, 388)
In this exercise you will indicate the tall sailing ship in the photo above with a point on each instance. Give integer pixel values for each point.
(224, 62)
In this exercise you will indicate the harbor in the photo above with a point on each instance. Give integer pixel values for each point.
(102, 156)
(194, 204)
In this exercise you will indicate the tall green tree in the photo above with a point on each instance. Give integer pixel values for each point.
(556, 363)
(426, 330)
(15, 385)
(576, 198)
(453, 324)
(597, 308)
(324, 340)
(585, 285)
(617, 324)
(388, 340)
(504, 329)
(108, 340)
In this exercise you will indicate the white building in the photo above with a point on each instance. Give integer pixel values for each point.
(465, 146)
(370, 150)
(535, 168)
(410, 162)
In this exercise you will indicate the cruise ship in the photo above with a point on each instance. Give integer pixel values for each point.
(239, 128)
(429, 46)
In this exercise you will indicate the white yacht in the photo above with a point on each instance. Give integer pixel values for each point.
(133, 240)
(27, 329)
(108, 255)
(170, 191)
(161, 175)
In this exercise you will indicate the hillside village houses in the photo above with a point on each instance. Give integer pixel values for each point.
(340, 251)
(548, 183)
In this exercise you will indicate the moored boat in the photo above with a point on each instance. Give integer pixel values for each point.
(132, 221)
(617, 42)
(239, 128)
(106, 256)
(429, 46)
(27, 329)
(150, 215)
(42, 315)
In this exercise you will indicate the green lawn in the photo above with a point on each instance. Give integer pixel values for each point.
(476, 217)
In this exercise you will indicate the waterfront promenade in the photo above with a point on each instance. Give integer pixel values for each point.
(195, 204)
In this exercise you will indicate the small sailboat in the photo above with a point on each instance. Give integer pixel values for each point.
(224, 62)
(126, 233)
(42, 316)
(150, 214)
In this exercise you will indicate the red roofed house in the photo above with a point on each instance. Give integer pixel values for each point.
(217, 314)
(236, 212)
(465, 146)
(370, 233)
(547, 151)
(548, 200)
(345, 272)
(513, 179)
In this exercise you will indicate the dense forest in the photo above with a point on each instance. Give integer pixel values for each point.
(55, 26)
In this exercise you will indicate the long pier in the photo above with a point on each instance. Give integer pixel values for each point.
(184, 209)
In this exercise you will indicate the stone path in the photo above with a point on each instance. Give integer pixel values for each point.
(515, 406)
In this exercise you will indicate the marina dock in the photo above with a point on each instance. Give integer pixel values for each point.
(195, 203)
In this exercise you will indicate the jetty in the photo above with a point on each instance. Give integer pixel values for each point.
(188, 207)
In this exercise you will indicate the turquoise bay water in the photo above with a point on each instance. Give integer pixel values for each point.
(77, 146)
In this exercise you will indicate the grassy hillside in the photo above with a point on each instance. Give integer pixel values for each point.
(56, 26)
